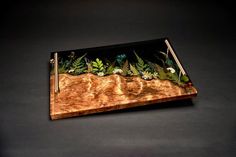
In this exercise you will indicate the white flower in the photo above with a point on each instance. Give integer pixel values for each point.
(117, 71)
(147, 75)
(172, 70)
(71, 70)
(100, 74)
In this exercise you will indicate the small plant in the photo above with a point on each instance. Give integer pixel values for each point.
(152, 67)
(133, 70)
(117, 71)
(167, 62)
(125, 68)
(161, 72)
(110, 68)
(160, 60)
(155, 75)
(100, 74)
(97, 66)
(120, 59)
(78, 66)
(141, 66)
(62, 66)
(62, 70)
(173, 77)
(89, 65)
(147, 75)
(184, 78)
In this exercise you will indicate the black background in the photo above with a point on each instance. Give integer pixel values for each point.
(203, 35)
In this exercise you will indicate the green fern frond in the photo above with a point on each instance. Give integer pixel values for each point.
(133, 70)
(62, 70)
(79, 61)
(173, 77)
(151, 66)
(78, 65)
(97, 66)
(125, 68)
(63, 65)
(110, 68)
(141, 66)
(161, 73)
(89, 68)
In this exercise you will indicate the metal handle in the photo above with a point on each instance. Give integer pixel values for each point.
(175, 57)
(56, 79)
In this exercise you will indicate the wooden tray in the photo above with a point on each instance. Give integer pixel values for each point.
(100, 79)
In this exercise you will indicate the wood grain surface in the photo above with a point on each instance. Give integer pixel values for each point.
(89, 93)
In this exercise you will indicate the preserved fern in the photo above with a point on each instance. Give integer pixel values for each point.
(89, 68)
(63, 66)
(133, 70)
(161, 73)
(89, 65)
(62, 70)
(173, 77)
(110, 68)
(141, 66)
(125, 68)
(120, 59)
(79, 66)
(97, 66)
(152, 67)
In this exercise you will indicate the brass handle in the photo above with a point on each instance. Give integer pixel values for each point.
(175, 57)
(56, 80)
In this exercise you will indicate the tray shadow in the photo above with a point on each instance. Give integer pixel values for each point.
(151, 107)
(156, 106)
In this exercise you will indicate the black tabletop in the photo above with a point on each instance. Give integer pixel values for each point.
(204, 37)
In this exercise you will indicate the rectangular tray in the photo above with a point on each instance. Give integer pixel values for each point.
(92, 80)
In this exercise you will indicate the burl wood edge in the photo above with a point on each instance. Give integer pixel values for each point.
(88, 93)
